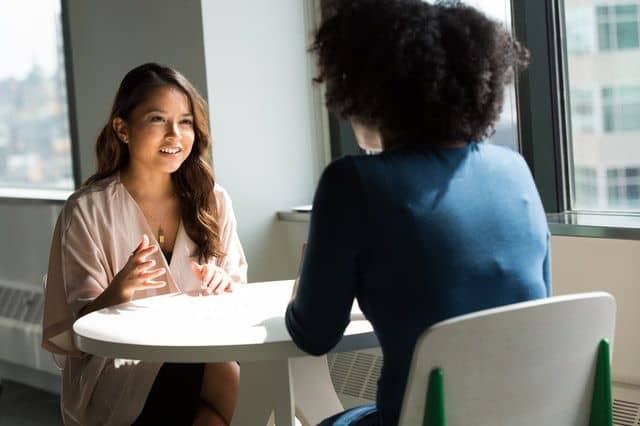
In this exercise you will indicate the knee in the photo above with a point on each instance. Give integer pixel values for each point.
(224, 373)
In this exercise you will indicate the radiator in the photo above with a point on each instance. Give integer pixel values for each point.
(22, 358)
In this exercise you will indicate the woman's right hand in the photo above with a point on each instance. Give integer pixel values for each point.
(137, 273)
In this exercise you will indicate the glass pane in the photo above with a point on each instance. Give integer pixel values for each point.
(627, 10)
(604, 41)
(507, 126)
(35, 147)
(627, 34)
(578, 39)
(605, 129)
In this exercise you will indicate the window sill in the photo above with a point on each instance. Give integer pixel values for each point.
(618, 226)
(591, 225)
(293, 216)
(44, 195)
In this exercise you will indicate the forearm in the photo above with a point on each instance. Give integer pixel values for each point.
(113, 295)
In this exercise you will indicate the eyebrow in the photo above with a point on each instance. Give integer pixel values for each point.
(154, 109)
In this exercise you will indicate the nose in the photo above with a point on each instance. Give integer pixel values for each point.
(173, 129)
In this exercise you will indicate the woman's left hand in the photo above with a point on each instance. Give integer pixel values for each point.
(214, 279)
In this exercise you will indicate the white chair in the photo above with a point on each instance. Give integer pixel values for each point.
(544, 362)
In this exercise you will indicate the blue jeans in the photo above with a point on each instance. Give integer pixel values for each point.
(364, 415)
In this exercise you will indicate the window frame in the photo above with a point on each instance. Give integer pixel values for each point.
(545, 126)
(57, 195)
(543, 99)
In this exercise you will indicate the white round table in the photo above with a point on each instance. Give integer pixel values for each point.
(246, 326)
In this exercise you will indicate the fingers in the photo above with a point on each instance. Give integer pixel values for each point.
(146, 279)
(209, 274)
(197, 269)
(154, 284)
(230, 287)
(144, 243)
(140, 255)
(144, 274)
(219, 282)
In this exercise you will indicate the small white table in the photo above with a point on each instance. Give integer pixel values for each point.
(246, 326)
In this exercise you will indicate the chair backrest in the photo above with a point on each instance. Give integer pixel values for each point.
(526, 364)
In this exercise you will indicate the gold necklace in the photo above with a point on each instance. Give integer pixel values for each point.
(161, 236)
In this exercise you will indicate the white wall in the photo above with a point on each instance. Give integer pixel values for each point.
(594, 264)
(108, 38)
(267, 151)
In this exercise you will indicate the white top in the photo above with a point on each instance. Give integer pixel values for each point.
(246, 325)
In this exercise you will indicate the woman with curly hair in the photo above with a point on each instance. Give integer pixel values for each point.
(439, 223)
(150, 221)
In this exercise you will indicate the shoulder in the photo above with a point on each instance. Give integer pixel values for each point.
(341, 172)
(340, 184)
(223, 199)
(499, 154)
(96, 196)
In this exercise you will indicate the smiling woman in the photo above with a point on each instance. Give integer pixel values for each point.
(150, 221)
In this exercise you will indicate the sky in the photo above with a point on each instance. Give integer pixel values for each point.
(27, 35)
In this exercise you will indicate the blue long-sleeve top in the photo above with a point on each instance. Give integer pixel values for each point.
(417, 236)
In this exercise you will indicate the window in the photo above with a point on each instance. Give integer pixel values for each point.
(35, 146)
(604, 107)
(618, 26)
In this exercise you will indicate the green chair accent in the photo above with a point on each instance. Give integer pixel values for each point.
(602, 402)
(434, 408)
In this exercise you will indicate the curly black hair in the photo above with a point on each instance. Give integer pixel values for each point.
(422, 74)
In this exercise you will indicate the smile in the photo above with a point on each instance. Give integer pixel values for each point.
(171, 151)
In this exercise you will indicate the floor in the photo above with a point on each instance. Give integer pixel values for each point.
(22, 405)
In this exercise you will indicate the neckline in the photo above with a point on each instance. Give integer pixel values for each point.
(148, 229)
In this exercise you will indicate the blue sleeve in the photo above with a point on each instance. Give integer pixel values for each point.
(546, 268)
(318, 315)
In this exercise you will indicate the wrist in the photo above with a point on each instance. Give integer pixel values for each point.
(121, 292)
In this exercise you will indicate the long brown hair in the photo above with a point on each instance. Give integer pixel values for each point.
(194, 180)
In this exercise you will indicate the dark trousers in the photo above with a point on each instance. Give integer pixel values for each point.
(174, 397)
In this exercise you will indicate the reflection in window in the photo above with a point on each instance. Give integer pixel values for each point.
(35, 147)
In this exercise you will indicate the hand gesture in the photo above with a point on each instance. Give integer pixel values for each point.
(137, 273)
(214, 279)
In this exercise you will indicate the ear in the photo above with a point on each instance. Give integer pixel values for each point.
(120, 128)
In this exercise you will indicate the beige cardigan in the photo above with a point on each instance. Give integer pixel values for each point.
(96, 232)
